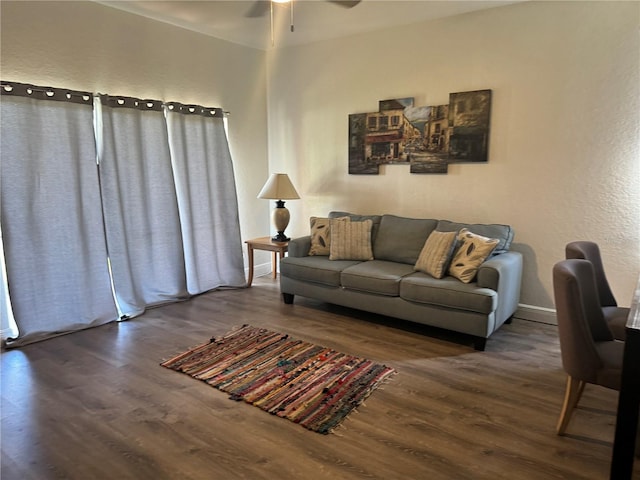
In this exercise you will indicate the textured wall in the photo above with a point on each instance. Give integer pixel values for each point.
(564, 147)
(88, 46)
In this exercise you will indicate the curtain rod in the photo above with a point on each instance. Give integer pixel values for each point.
(44, 93)
(75, 96)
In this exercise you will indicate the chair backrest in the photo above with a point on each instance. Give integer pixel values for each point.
(581, 322)
(590, 251)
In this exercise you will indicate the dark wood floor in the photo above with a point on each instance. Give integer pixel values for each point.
(97, 405)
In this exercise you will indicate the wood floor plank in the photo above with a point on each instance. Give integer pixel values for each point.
(97, 404)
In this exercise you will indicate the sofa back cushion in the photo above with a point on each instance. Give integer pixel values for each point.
(401, 239)
(504, 233)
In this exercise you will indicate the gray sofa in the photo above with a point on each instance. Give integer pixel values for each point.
(389, 284)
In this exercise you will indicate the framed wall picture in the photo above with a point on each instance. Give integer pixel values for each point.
(426, 138)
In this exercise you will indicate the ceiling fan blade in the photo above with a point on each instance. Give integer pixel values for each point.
(258, 9)
(345, 4)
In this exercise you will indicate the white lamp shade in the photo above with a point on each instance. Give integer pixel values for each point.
(278, 187)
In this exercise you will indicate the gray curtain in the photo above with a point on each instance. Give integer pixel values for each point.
(92, 234)
(52, 229)
(207, 198)
(140, 206)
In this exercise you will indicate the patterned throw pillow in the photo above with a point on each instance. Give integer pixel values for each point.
(321, 234)
(436, 254)
(350, 240)
(473, 250)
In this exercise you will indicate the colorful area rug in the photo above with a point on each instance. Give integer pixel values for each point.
(308, 384)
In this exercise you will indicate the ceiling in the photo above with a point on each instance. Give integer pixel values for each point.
(314, 20)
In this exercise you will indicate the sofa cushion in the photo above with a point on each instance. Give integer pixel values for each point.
(504, 233)
(376, 276)
(471, 252)
(350, 240)
(448, 292)
(436, 254)
(317, 269)
(401, 239)
(321, 234)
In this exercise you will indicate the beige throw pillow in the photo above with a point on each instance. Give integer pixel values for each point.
(320, 236)
(472, 252)
(350, 240)
(436, 253)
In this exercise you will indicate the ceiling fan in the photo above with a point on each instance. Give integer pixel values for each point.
(261, 7)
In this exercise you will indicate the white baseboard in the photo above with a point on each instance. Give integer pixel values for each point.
(259, 270)
(536, 314)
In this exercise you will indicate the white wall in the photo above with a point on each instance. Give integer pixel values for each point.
(564, 148)
(564, 145)
(88, 46)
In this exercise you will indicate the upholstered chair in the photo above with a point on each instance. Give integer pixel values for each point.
(589, 351)
(615, 316)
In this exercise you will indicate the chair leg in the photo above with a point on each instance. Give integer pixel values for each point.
(572, 395)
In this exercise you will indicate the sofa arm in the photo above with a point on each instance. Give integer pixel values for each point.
(503, 274)
(299, 247)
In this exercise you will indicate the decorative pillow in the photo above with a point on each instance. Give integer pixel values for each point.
(504, 233)
(350, 240)
(436, 254)
(354, 217)
(320, 236)
(473, 250)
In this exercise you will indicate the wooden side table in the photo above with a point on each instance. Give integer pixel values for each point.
(278, 250)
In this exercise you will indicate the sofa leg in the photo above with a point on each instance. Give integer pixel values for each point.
(288, 298)
(479, 343)
(509, 320)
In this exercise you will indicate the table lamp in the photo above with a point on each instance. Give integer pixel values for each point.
(279, 188)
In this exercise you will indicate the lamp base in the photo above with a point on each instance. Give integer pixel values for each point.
(280, 219)
(281, 238)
